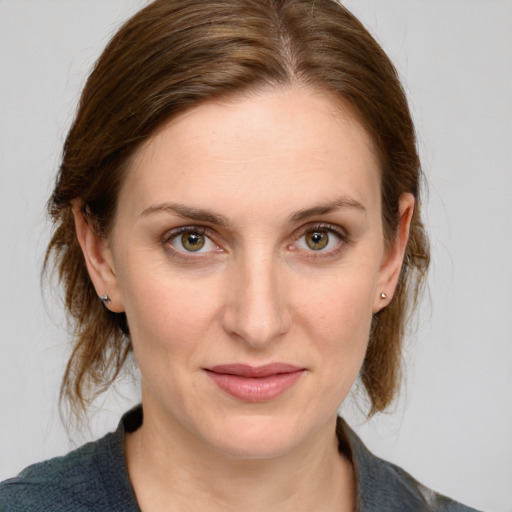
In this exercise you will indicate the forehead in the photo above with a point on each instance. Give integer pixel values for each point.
(276, 149)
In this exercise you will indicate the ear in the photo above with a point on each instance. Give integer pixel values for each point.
(98, 259)
(394, 255)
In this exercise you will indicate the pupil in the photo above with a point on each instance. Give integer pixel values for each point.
(316, 238)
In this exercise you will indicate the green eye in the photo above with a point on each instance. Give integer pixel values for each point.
(192, 241)
(317, 240)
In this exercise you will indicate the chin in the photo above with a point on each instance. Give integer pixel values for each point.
(257, 437)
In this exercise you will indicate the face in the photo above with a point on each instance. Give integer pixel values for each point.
(248, 255)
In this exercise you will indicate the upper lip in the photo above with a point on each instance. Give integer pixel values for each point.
(244, 370)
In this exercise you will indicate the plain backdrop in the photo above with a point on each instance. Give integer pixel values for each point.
(452, 427)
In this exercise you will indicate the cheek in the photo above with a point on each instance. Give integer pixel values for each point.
(339, 318)
(340, 301)
(166, 310)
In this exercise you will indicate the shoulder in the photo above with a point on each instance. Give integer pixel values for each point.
(414, 494)
(61, 483)
(76, 482)
(385, 487)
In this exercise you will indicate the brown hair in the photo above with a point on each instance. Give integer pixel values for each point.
(175, 54)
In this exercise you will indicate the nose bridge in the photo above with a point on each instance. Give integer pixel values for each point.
(257, 311)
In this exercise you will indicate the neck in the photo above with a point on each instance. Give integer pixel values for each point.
(170, 471)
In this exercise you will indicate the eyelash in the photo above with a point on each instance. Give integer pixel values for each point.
(203, 231)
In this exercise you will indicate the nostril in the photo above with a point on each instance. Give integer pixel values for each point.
(256, 324)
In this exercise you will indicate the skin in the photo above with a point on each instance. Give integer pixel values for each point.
(255, 293)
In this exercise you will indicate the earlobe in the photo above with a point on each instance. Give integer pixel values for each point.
(99, 261)
(394, 256)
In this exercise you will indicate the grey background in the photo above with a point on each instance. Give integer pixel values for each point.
(452, 426)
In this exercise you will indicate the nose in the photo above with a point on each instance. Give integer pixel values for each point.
(256, 311)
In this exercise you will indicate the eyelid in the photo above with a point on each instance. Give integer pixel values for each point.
(173, 233)
(321, 226)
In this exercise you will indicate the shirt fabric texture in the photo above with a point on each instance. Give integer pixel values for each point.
(94, 478)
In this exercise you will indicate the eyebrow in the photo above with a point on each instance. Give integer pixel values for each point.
(343, 203)
(188, 212)
(200, 214)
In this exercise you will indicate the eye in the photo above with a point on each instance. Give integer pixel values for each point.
(320, 239)
(191, 240)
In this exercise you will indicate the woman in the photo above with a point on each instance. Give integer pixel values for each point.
(239, 205)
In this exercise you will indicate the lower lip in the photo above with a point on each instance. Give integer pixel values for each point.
(251, 389)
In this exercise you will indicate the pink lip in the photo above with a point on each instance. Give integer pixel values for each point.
(255, 383)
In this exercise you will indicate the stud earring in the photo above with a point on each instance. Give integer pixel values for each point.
(105, 299)
(383, 296)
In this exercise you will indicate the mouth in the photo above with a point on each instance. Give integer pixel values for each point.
(255, 383)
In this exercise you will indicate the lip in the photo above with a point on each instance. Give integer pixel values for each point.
(255, 383)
